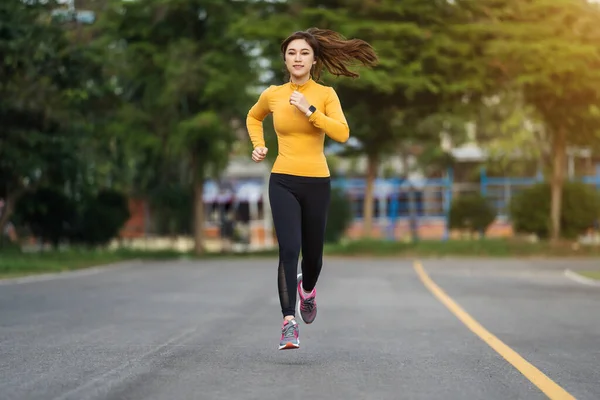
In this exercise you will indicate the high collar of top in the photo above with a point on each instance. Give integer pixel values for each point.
(305, 85)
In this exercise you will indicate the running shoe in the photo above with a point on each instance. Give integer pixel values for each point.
(307, 304)
(289, 336)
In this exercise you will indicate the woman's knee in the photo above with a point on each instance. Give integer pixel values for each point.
(289, 254)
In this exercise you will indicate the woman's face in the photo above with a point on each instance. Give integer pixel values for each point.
(299, 58)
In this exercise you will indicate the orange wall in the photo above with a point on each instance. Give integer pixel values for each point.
(134, 227)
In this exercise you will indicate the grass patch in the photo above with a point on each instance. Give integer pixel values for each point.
(590, 274)
(460, 248)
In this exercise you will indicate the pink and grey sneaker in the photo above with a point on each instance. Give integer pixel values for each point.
(307, 304)
(289, 336)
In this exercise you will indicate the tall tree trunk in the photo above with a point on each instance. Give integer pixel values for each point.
(198, 207)
(412, 207)
(372, 164)
(412, 212)
(559, 156)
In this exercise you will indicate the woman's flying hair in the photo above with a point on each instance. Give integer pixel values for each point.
(334, 52)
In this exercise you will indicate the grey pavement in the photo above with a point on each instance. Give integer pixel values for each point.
(210, 330)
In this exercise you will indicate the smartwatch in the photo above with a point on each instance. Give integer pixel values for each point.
(311, 110)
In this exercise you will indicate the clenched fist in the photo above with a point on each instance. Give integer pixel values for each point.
(297, 99)
(259, 154)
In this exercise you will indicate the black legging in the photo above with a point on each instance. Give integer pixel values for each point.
(299, 206)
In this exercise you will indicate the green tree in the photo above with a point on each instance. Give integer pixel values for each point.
(549, 50)
(183, 76)
(471, 212)
(511, 133)
(40, 83)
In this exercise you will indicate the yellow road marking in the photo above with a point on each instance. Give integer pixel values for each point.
(538, 378)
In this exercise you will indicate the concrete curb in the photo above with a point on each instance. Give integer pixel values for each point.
(574, 276)
(68, 274)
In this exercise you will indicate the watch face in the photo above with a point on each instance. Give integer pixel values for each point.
(312, 108)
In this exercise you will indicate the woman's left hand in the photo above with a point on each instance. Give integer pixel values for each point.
(297, 99)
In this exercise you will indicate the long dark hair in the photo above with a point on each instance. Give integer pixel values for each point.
(334, 52)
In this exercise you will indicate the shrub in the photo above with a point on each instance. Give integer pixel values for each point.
(102, 217)
(471, 212)
(48, 213)
(339, 217)
(530, 209)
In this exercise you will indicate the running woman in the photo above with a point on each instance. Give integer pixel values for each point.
(304, 111)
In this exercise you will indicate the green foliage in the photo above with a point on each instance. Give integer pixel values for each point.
(40, 84)
(53, 98)
(170, 206)
(54, 217)
(182, 74)
(471, 212)
(421, 69)
(551, 54)
(339, 217)
(101, 218)
(530, 209)
(551, 57)
(510, 130)
(48, 213)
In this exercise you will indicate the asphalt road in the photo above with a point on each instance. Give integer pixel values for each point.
(210, 330)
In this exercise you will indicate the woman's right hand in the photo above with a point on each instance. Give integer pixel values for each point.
(259, 154)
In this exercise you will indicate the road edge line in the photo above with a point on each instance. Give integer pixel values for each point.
(535, 376)
(584, 280)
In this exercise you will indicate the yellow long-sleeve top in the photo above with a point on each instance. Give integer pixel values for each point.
(300, 138)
